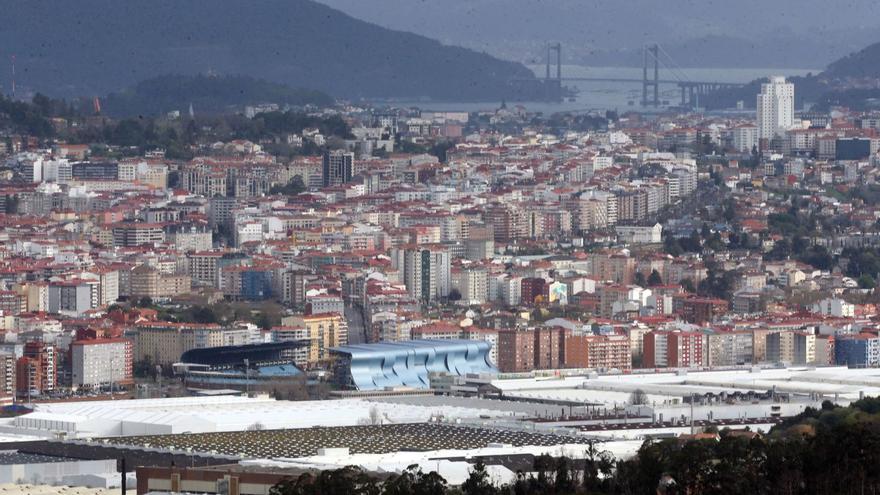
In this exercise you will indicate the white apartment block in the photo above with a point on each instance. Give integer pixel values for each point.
(775, 108)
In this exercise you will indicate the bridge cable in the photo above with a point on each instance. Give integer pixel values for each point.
(676, 70)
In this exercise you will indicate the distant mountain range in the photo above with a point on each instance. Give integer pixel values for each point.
(719, 51)
(827, 88)
(802, 34)
(90, 47)
(863, 63)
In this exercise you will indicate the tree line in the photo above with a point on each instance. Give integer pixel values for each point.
(135, 135)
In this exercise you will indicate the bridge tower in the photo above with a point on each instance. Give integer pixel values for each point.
(558, 48)
(547, 74)
(651, 52)
(554, 86)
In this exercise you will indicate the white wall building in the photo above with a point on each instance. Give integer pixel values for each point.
(251, 231)
(100, 362)
(745, 137)
(472, 283)
(427, 271)
(837, 308)
(775, 108)
(635, 234)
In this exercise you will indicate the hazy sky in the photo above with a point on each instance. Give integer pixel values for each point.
(506, 27)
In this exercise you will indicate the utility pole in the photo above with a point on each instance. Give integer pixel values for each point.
(112, 360)
(123, 480)
(247, 377)
(159, 379)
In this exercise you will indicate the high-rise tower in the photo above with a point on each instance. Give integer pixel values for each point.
(775, 108)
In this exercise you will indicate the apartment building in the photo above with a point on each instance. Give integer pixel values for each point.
(323, 331)
(675, 349)
(598, 352)
(101, 362)
(164, 342)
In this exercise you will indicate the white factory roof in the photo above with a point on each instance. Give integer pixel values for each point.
(25, 489)
(233, 413)
(833, 382)
(228, 413)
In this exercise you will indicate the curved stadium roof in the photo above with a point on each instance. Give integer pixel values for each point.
(236, 354)
(408, 363)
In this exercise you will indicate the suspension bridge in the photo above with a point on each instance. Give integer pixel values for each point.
(654, 57)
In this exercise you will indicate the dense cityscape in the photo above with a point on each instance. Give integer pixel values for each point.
(216, 284)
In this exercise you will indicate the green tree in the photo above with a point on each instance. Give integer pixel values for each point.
(191, 132)
(688, 285)
(144, 302)
(705, 232)
(202, 314)
(672, 246)
(638, 397)
(715, 243)
(781, 250)
(729, 209)
(869, 405)
(563, 482)
(440, 148)
(866, 281)
(455, 295)
(654, 279)
(128, 132)
(143, 368)
(692, 465)
(718, 283)
(798, 245)
(350, 480)
(693, 243)
(173, 179)
(12, 203)
(598, 468)
(478, 482)
(545, 469)
(639, 279)
(293, 187)
(861, 262)
(739, 467)
(413, 481)
(264, 321)
(817, 256)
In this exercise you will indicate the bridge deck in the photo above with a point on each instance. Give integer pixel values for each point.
(639, 81)
(661, 81)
